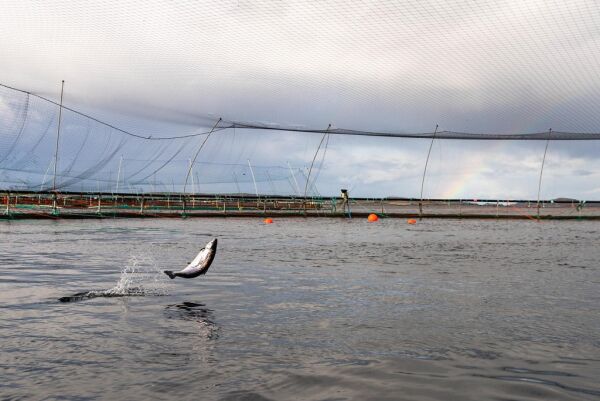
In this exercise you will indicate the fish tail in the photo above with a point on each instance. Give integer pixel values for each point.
(170, 274)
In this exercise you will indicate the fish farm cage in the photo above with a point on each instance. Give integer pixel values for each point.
(58, 162)
(36, 205)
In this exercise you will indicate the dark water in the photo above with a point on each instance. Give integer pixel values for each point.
(301, 309)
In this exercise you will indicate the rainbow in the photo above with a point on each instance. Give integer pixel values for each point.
(477, 163)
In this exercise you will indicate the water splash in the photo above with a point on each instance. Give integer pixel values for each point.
(139, 277)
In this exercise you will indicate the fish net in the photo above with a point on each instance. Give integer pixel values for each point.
(302, 98)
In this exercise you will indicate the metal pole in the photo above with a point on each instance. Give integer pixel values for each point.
(45, 175)
(541, 172)
(294, 177)
(311, 166)
(313, 160)
(193, 182)
(119, 174)
(254, 180)
(187, 177)
(425, 172)
(192, 174)
(62, 90)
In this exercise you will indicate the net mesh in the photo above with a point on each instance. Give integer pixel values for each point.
(146, 82)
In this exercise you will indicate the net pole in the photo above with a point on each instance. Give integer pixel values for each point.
(312, 164)
(187, 177)
(119, 174)
(254, 181)
(425, 172)
(45, 175)
(193, 181)
(542, 172)
(297, 189)
(60, 107)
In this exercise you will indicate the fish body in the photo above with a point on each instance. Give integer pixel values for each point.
(199, 265)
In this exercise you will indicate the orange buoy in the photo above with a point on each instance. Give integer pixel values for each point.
(372, 217)
(411, 221)
(268, 220)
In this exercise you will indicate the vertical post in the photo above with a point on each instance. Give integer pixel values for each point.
(45, 175)
(142, 205)
(311, 165)
(193, 184)
(542, 172)
(294, 177)
(99, 203)
(62, 90)
(425, 172)
(7, 212)
(187, 177)
(119, 174)
(255, 186)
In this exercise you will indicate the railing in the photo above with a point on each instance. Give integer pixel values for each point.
(83, 205)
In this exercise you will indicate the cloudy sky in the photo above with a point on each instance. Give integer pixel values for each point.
(168, 68)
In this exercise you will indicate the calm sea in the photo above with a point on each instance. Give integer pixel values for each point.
(302, 309)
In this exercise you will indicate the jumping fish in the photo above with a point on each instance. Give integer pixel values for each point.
(200, 264)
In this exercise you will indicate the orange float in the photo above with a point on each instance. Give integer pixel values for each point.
(372, 217)
(268, 220)
(411, 221)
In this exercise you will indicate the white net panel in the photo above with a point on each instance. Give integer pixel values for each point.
(280, 73)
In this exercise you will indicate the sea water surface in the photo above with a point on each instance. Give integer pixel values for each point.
(302, 309)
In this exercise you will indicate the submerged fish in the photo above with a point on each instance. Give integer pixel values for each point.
(200, 264)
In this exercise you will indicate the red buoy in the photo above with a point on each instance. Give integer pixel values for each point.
(268, 220)
(372, 217)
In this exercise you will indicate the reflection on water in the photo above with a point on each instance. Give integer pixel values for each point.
(196, 313)
(302, 309)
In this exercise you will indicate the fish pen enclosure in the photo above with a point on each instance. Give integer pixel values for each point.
(59, 162)
(37, 205)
